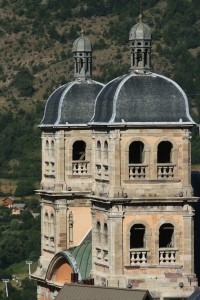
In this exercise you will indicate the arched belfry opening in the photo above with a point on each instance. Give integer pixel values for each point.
(79, 149)
(164, 153)
(166, 236)
(136, 153)
(137, 236)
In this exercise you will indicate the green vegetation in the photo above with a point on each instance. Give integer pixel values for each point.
(27, 290)
(19, 241)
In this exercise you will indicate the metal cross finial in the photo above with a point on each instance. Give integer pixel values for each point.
(140, 18)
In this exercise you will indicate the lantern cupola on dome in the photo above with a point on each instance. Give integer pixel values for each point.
(82, 50)
(140, 44)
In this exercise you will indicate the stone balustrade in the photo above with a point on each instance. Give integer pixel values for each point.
(138, 257)
(80, 167)
(165, 171)
(167, 256)
(137, 171)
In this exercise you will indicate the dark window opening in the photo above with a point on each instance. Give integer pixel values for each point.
(166, 236)
(164, 154)
(105, 229)
(79, 148)
(137, 236)
(99, 150)
(98, 227)
(106, 150)
(139, 56)
(136, 153)
(145, 57)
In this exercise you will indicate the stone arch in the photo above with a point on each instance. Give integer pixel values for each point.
(61, 267)
(136, 152)
(167, 168)
(166, 235)
(128, 169)
(164, 152)
(165, 139)
(70, 143)
(79, 150)
(176, 237)
(162, 221)
(147, 242)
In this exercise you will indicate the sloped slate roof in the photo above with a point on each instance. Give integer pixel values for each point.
(72, 103)
(195, 295)
(135, 99)
(85, 292)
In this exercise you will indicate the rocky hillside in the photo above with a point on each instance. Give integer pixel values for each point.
(36, 38)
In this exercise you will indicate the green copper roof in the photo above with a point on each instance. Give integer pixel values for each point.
(83, 257)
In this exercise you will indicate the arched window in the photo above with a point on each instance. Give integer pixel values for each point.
(47, 149)
(166, 235)
(137, 236)
(136, 153)
(164, 153)
(79, 148)
(105, 233)
(46, 224)
(98, 229)
(106, 151)
(98, 150)
(52, 149)
(52, 225)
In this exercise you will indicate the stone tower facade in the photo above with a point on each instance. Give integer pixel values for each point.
(142, 207)
(67, 172)
(116, 160)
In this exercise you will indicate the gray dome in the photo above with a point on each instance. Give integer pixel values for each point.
(71, 104)
(134, 99)
(82, 44)
(140, 31)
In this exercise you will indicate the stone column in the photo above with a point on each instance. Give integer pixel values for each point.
(60, 225)
(186, 165)
(188, 239)
(115, 238)
(59, 161)
(42, 225)
(43, 160)
(114, 164)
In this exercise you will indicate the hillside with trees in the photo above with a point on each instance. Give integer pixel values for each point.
(36, 38)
